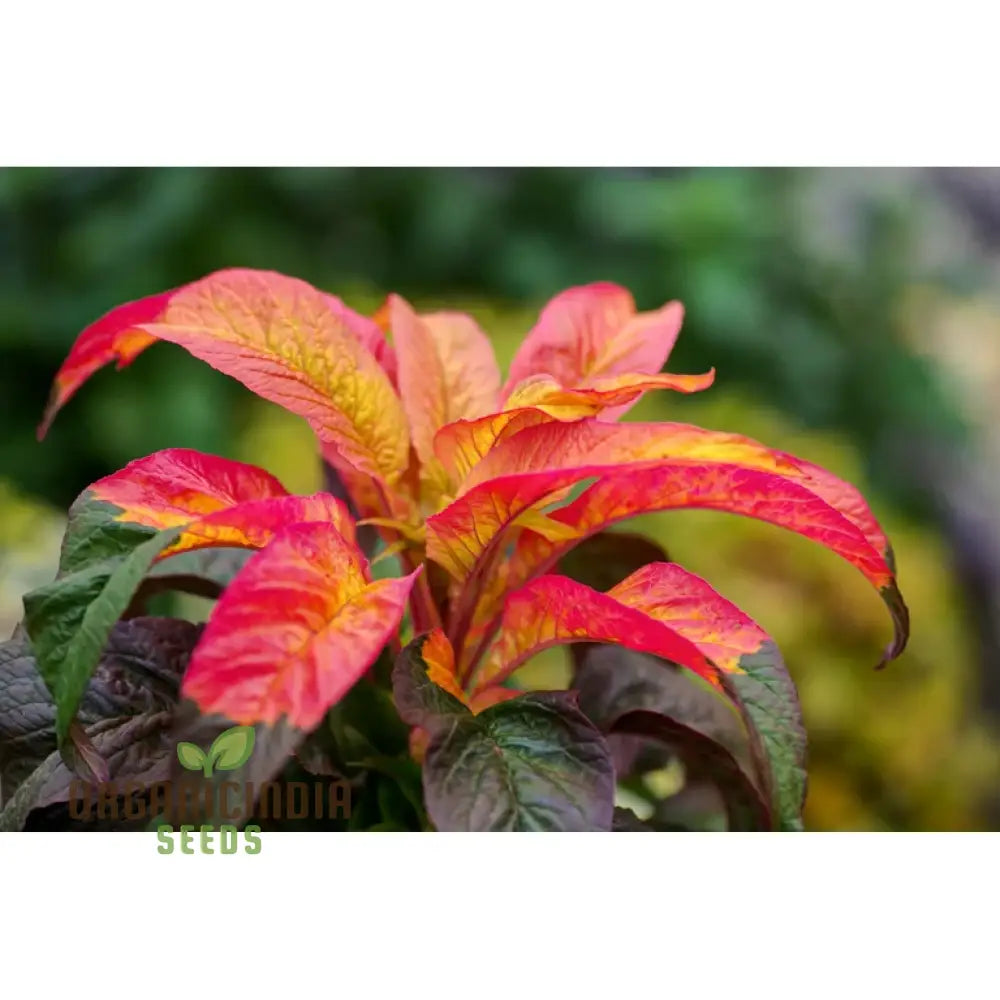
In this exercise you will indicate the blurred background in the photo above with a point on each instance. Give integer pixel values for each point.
(853, 317)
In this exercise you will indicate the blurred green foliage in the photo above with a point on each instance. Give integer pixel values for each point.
(815, 334)
(808, 347)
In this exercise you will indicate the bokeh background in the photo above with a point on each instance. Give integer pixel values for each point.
(853, 317)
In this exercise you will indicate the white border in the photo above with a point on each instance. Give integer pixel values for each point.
(812, 916)
(875, 83)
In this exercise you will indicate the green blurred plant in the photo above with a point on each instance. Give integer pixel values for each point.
(815, 336)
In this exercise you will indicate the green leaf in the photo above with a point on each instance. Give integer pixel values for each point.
(191, 757)
(395, 806)
(93, 534)
(768, 695)
(70, 620)
(201, 573)
(370, 710)
(406, 773)
(212, 566)
(533, 763)
(232, 748)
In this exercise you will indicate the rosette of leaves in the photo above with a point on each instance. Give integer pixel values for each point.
(494, 504)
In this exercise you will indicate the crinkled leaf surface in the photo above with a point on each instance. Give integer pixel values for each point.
(533, 762)
(138, 672)
(294, 630)
(136, 751)
(284, 340)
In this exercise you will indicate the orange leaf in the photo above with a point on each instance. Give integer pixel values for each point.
(600, 393)
(540, 399)
(594, 330)
(440, 660)
(447, 371)
(461, 445)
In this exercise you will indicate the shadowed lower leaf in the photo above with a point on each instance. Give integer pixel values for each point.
(753, 671)
(746, 807)
(604, 560)
(532, 763)
(136, 752)
(634, 694)
(138, 672)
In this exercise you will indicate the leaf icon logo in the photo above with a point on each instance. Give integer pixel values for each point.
(230, 750)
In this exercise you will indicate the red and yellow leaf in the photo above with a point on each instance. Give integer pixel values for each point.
(765, 496)
(540, 399)
(651, 467)
(280, 337)
(294, 631)
(566, 444)
(554, 610)
(491, 696)
(594, 330)
(690, 606)
(370, 335)
(461, 445)
(116, 336)
(447, 372)
(600, 393)
(221, 502)
(439, 658)
(537, 462)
